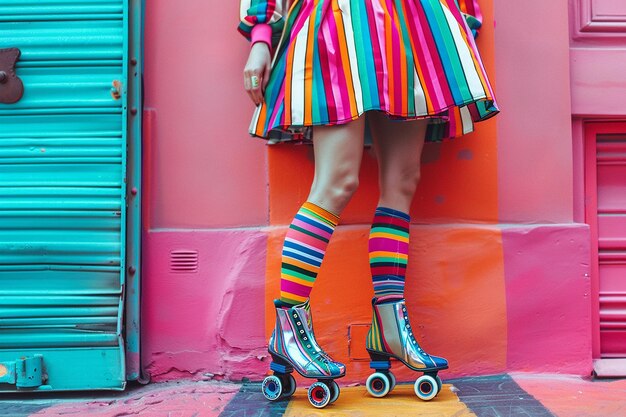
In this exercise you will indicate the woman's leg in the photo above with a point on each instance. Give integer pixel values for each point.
(338, 151)
(398, 147)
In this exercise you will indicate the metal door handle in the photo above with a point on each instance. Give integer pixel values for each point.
(11, 86)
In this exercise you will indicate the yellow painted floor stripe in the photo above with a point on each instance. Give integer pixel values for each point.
(401, 402)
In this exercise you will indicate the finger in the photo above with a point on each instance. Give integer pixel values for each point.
(266, 75)
(248, 74)
(257, 93)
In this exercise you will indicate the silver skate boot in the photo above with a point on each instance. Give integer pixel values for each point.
(293, 346)
(391, 336)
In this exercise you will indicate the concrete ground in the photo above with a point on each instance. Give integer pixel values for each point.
(486, 396)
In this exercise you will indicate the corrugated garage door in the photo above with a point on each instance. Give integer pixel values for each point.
(63, 164)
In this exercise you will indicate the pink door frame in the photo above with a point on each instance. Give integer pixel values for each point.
(591, 131)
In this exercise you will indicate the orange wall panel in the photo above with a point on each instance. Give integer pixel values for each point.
(455, 293)
(459, 179)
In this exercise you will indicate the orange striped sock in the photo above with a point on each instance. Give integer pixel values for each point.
(303, 251)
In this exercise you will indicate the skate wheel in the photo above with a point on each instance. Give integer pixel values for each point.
(334, 391)
(378, 384)
(439, 384)
(289, 385)
(272, 387)
(319, 394)
(426, 387)
(392, 381)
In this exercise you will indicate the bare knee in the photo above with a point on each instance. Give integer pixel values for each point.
(336, 193)
(346, 187)
(409, 182)
(401, 186)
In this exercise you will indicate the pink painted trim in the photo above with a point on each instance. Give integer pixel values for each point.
(592, 130)
(147, 168)
(261, 32)
(591, 193)
(578, 159)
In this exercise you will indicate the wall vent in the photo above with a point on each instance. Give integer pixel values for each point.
(183, 260)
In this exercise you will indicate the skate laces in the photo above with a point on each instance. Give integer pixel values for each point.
(323, 356)
(407, 325)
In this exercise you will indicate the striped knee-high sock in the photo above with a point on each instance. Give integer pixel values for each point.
(388, 253)
(303, 251)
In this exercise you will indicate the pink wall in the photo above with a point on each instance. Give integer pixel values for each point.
(207, 172)
(208, 323)
(598, 82)
(209, 188)
(481, 296)
(598, 57)
(547, 279)
(534, 128)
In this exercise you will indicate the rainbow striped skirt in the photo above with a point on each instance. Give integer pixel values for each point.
(338, 59)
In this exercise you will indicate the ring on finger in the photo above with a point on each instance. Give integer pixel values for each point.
(254, 81)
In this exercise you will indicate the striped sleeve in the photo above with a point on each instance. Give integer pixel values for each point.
(471, 12)
(262, 20)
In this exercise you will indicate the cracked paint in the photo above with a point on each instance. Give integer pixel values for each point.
(212, 323)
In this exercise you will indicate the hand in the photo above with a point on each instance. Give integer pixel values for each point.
(258, 64)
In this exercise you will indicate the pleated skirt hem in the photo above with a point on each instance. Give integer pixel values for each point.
(435, 132)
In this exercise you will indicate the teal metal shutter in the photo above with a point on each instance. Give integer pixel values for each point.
(68, 219)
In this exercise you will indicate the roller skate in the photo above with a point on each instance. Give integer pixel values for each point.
(293, 346)
(391, 336)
